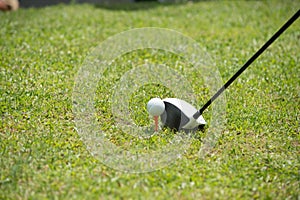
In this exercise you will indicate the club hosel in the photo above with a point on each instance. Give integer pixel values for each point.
(197, 114)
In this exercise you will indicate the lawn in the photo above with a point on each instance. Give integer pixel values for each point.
(256, 156)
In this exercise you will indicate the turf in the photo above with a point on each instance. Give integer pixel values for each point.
(42, 156)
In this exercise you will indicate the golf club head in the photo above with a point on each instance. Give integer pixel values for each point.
(178, 115)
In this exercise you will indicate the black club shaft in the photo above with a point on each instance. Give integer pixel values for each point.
(248, 63)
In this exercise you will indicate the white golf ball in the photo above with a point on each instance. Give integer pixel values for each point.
(155, 107)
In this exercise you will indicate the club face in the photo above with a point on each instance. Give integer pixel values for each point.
(176, 119)
(171, 117)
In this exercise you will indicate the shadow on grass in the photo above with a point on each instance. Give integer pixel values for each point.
(44, 3)
(129, 6)
(144, 4)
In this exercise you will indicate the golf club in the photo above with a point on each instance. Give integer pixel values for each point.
(180, 115)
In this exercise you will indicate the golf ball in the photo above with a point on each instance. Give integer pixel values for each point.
(155, 107)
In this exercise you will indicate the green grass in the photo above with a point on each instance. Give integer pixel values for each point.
(42, 156)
